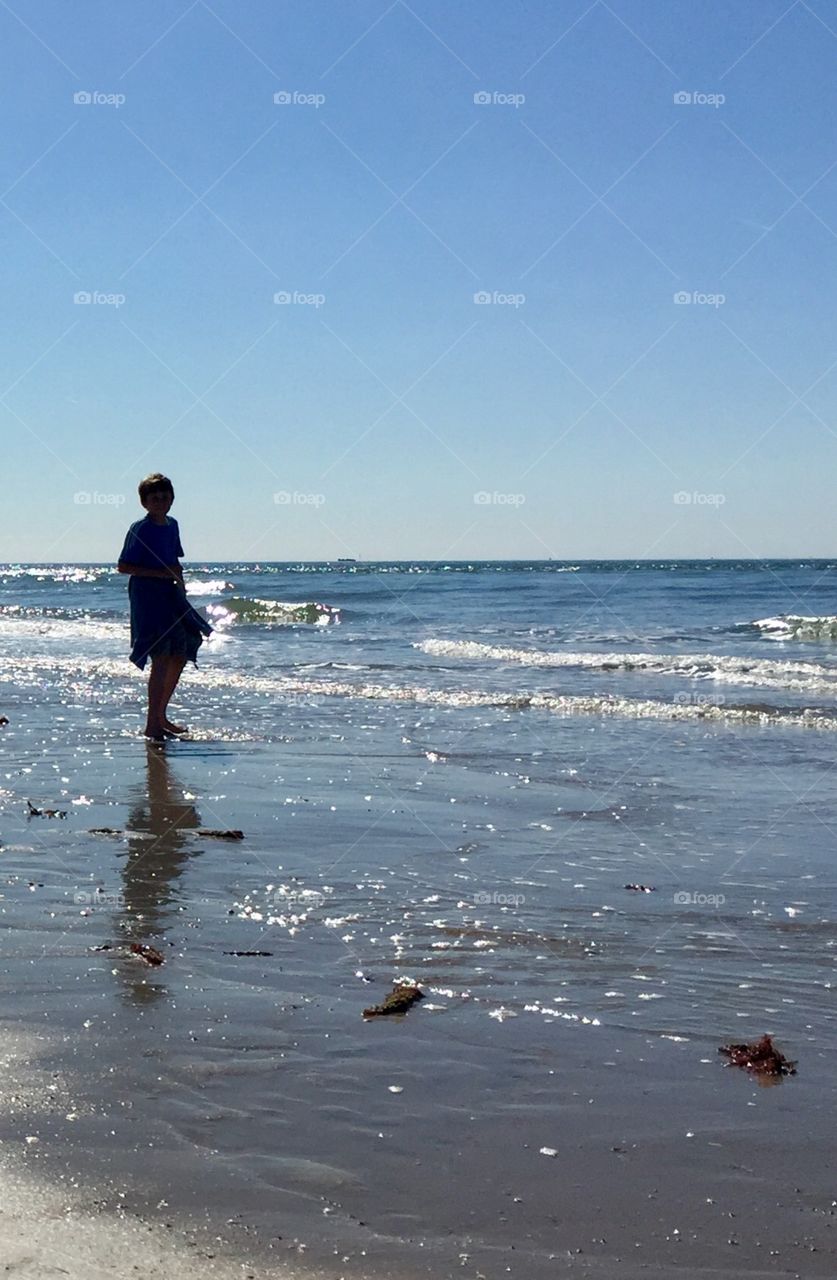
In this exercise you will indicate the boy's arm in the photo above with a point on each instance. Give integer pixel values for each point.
(172, 572)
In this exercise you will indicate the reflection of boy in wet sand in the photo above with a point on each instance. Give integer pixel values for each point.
(164, 626)
(157, 850)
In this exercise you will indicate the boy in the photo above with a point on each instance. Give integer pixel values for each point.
(164, 626)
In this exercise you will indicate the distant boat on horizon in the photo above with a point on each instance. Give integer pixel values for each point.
(346, 560)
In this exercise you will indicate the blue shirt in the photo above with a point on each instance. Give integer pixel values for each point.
(162, 620)
(152, 546)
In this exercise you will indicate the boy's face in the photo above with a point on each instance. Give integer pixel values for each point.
(158, 502)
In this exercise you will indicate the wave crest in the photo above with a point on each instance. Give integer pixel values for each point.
(274, 613)
(30, 670)
(763, 672)
(798, 627)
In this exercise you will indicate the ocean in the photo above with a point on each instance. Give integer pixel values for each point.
(588, 806)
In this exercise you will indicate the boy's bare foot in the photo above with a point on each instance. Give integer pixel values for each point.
(175, 728)
(156, 732)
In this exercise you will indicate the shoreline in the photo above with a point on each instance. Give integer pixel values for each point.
(48, 1230)
(557, 1104)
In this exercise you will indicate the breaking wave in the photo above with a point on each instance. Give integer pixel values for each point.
(215, 587)
(763, 672)
(798, 627)
(86, 675)
(275, 613)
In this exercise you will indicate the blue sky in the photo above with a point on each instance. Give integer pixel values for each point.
(380, 410)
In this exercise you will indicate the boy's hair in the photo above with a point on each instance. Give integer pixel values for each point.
(153, 483)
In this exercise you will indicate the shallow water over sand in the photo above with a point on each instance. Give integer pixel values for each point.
(556, 1103)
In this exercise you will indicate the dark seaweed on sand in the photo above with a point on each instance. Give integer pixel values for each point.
(402, 997)
(149, 954)
(760, 1056)
(141, 949)
(45, 813)
(205, 832)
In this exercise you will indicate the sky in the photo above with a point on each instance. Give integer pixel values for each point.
(391, 279)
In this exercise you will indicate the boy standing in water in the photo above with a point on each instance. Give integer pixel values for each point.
(164, 626)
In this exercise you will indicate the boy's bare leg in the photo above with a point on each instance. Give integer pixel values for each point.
(155, 725)
(173, 674)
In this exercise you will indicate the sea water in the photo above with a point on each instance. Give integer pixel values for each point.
(589, 807)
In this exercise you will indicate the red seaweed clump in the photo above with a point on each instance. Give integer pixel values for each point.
(761, 1057)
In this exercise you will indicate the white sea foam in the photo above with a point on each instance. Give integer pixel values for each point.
(16, 623)
(215, 586)
(80, 573)
(17, 620)
(271, 612)
(798, 626)
(761, 672)
(32, 669)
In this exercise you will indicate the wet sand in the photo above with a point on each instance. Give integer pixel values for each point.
(555, 1105)
(49, 1231)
